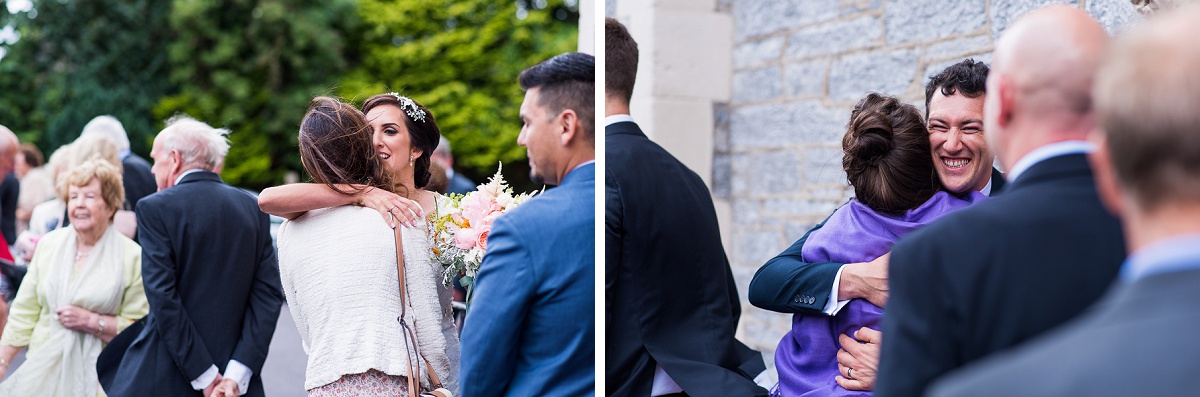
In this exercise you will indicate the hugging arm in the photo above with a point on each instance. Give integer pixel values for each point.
(293, 200)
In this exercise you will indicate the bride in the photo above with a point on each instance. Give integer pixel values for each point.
(338, 261)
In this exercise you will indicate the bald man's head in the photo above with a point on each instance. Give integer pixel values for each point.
(1043, 67)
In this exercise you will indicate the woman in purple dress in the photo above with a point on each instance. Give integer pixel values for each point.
(896, 190)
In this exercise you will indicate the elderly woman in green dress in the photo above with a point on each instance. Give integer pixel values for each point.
(83, 287)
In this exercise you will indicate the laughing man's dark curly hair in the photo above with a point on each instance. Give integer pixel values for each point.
(968, 78)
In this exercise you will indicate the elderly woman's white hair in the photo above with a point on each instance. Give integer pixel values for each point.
(108, 127)
(199, 145)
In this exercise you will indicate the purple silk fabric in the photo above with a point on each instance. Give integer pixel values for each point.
(807, 356)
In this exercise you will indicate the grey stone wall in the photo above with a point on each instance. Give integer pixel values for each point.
(799, 67)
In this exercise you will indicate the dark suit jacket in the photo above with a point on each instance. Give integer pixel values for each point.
(996, 274)
(212, 280)
(788, 284)
(531, 329)
(460, 184)
(10, 190)
(1122, 347)
(670, 297)
(137, 180)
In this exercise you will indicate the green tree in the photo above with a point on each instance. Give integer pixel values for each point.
(461, 59)
(253, 66)
(75, 60)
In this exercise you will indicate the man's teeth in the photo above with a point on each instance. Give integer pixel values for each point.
(955, 162)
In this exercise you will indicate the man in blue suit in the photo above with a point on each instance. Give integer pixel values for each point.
(210, 275)
(531, 327)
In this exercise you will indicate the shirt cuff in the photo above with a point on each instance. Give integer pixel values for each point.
(833, 305)
(205, 378)
(240, 374)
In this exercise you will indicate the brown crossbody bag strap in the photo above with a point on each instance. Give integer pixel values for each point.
(410, 339)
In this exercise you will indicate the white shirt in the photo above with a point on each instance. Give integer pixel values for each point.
(186, 173)
(617, 118)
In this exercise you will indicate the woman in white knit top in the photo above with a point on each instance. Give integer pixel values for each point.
(337, 262)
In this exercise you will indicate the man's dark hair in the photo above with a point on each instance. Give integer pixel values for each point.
(620, 60)
(968, 78)
(567, 81)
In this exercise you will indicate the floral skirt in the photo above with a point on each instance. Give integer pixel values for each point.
(370, 383)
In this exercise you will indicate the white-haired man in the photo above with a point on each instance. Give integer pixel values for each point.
(210, 275)
(137, 179)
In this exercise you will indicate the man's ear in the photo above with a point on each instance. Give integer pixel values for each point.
(176, 160)
(570, 126)
(1005, 109)
(1106, 179)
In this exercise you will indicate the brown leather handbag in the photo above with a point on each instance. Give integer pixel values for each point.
(410, 338)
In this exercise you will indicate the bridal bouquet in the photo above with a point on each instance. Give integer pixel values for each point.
(461, 225)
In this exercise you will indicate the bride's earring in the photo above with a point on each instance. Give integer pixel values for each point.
(410, 161)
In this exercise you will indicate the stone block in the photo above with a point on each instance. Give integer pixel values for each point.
(755, 53)
(855, 6)
(766, 173)
(610, 8)
(685, 129)
(721, 113)
(918, 20)
(1115, 15)
(888, 72)
(757, 85)
(753, 247)
(958, 47)
(722, 169)
(785, 124)
(805, 78)
(1003, 13)
(759, 17)
(823, 167)
(791, 208)
(693, 57)
(835, 37)
(745, 212)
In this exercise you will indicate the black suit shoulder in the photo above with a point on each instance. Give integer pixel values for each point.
(994, 275)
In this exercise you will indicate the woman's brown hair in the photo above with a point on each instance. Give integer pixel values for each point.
(887, 156)
(336, 149)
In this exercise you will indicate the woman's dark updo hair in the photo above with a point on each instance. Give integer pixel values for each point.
(335, 147)
(887, 156)
(422, 134)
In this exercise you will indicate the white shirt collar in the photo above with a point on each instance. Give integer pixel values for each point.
(1045, 153)
(617, 118)
(987, 189)
(186, 173)
(1162, 256)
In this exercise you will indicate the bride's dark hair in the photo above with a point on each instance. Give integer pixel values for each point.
(887, 155)
(336, 149)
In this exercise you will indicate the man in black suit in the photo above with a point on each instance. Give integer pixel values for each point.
(787, 284)
(1145, 172)
(996, 274)
(137, 179)
(210, 275)
(671, 306)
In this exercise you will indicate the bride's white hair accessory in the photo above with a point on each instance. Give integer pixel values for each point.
(414, 112)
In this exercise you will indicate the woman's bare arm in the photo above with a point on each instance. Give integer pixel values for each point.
(292, 200)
